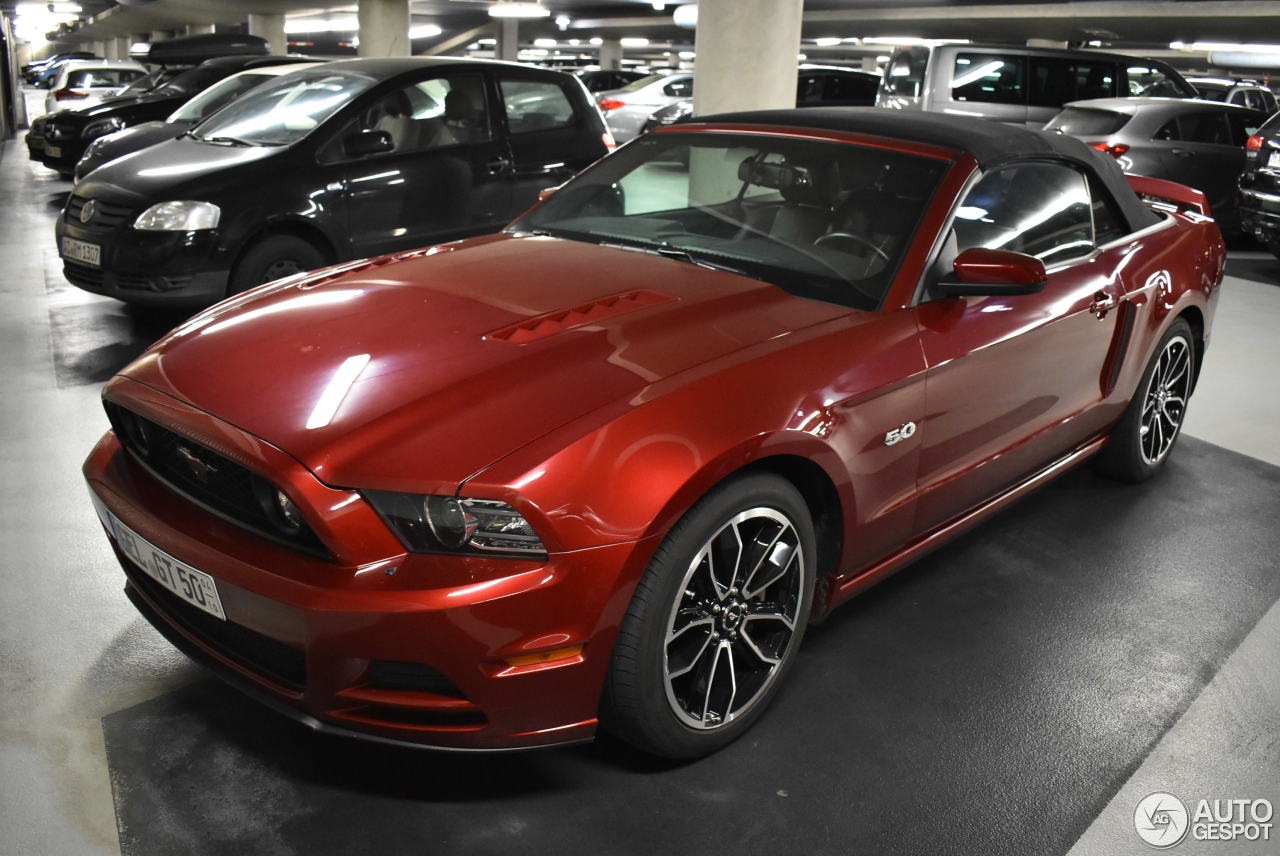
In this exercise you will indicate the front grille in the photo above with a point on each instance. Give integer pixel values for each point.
(96, 279)
(274, 660)
(106, 215)
(207, 478)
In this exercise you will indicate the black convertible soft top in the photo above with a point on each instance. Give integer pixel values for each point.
(991, 143)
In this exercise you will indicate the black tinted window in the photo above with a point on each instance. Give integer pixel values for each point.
(1040, 209)
(679, 88)
(1209, 127)
(849, 87)
(1108, 223)
(1084, 121)
(1056, 81)
(989, 78)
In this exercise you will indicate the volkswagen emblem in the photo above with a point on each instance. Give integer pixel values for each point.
(86, 213)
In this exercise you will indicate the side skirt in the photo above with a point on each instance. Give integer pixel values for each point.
(940, 535)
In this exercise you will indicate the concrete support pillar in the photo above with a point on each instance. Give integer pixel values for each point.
(199, 29)
(747, 54)
(508, 47)
(869, 64)
(160, 35)
(384, 28)
(611, 54)
(122, 46)
(98, 48)
(111, 49)
(271, 28)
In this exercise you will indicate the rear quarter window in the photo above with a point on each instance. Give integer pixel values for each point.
(536, 105)
(905, 73)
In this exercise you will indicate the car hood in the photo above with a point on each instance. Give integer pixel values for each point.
(416, 374)
(157, 170)
(137, 138)
(128, 108)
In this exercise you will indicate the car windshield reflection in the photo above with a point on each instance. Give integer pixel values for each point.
(824, 220)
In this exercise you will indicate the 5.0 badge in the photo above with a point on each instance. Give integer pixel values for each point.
(897, 435)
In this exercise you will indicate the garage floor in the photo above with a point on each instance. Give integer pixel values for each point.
(1015, 693)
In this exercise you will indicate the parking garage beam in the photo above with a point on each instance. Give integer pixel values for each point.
(384, 28)
(271, 28)
(747, 54)
(611, 54)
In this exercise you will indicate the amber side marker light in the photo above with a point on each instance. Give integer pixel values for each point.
(545, 656)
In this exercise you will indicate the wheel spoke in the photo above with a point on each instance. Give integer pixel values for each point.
(697, 658)
(764, 554)
(711, 684)
(1180, 362)
(707, 622)
(770, 616)
(755, 649)
(788, 558)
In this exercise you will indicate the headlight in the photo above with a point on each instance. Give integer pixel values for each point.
(179, 216)
(449, 524)
(100, 127)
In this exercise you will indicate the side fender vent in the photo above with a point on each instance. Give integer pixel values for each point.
(551, 323)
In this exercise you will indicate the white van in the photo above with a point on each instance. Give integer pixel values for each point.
(1020, 85)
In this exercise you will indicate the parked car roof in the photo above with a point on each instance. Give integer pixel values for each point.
(1134, 106)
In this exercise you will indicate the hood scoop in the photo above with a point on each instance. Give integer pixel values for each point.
(561, 320)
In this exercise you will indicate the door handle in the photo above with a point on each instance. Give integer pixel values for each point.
(1102, 304)
(498, 165)
(1184, 153)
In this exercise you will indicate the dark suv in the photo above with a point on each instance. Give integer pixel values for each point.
(68, 133)
(344, 160)
(1260, 186)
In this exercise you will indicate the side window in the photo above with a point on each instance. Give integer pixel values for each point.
(1168, 132)
(1056, 81)
(849, 87)
(808, 88)
(1108, 223)
(989, 78)
(429, 114)
(682, 88)
(1206, 127)
(1243, 126)
(1269, 103)
(1040, 209)
(535, 105)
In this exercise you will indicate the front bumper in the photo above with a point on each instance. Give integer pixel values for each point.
(308, 635)
(178, 269)
(69, 151)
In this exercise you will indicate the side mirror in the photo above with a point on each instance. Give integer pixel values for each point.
(981, 272)
(365, 143)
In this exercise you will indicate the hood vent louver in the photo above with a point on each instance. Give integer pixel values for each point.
(561, 320)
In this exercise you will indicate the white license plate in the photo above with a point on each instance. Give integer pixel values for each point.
(1273, 162)
(52, 151)
(195, 587)
(37, 143)
(82, 251)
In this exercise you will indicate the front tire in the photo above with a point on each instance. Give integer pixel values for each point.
(1144, 437)
(716, 621)
(272, 258)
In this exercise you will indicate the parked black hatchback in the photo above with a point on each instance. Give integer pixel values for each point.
(1260, 186)
(344, 160)
(68, 133)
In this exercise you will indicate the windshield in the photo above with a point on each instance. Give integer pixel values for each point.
(148, 82)
(285, 110)
(827, 221)
(218, 95)
(192, 81)
(636, 85)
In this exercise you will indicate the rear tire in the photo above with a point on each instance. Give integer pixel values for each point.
(1143, 438)
(716, 621)
(272, 258)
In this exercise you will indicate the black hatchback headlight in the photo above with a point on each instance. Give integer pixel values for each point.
(453, 524)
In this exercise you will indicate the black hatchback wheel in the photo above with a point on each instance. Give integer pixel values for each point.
(272, 258)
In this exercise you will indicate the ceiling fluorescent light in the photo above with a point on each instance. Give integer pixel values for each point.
(425, 31)
(513, 9)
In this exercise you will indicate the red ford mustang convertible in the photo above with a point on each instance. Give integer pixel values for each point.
(602, 469)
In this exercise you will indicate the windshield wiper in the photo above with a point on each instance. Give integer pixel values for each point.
(701, 261)
(231, 141)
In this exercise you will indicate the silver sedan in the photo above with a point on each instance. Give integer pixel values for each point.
(627, 109)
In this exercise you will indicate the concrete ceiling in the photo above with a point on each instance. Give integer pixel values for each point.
(1134, 23)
